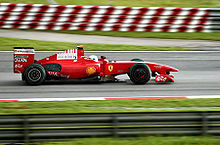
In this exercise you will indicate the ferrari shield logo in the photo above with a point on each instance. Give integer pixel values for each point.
(110, 68)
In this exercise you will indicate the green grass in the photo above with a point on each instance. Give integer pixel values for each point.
(164, 35)
(197, 140)
(144, 3)
(150, 140)
(9, 43)
(102, 106)
(133, 3)
(25, 1)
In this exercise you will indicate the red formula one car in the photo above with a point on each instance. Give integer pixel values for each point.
(72, 64)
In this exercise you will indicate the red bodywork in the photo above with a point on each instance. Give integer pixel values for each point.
(74, 65)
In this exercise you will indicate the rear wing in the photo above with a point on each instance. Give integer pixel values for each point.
(23, 57)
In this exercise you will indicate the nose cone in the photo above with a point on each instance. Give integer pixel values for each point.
(175, 69)
(172, 69)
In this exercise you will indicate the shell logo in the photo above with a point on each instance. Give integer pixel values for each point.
(90, 70)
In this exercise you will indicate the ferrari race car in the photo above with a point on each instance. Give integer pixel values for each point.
(72, 64)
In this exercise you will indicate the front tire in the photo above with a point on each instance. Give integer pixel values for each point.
(137, 59)
(140, 74)
(34, 74)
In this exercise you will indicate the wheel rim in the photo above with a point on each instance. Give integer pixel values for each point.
(139, 73)
(34, 75)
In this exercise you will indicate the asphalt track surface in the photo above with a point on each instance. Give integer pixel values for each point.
(199, 75)
(76, 38)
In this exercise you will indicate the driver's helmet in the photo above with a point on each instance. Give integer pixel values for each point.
(93, 57)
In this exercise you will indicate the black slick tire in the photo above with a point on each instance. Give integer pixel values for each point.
(34, 74)
(137, 59)
(22, 77)
(140, 74)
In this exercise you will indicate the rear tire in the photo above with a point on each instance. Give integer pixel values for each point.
(22, 77)
(140, 73)
(34, 74)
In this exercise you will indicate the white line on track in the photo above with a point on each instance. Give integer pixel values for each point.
(111, 98)
(124, 51)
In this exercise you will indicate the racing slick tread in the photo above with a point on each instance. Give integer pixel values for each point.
(41, 74)
(140, 74)
(137, 59)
